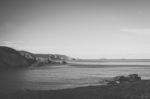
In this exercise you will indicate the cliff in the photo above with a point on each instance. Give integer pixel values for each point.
(10, 58)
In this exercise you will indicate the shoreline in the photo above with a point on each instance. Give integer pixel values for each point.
(134, 90)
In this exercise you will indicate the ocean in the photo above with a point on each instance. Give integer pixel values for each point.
(74, 74)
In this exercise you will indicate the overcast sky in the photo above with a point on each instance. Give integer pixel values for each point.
(78, 28)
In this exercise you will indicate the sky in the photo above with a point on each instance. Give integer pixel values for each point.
(77, 28)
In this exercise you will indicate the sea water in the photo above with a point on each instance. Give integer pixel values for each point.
(69, 75)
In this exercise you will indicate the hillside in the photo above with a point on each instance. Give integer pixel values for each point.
(54, 56)
(45, 59)
(10, 58)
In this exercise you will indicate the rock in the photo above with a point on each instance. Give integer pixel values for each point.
(133, 77)
(10, 58)
(124, 79)
(64, 62)
(29, 56)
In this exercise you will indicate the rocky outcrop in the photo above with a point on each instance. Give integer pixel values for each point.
(29, 56)
(124, 79)
(10, 58)
(53, 57)
(45, 59)
(40, 61)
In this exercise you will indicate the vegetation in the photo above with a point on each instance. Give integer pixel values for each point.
(11, 58)
(133, 90)
(130, 87)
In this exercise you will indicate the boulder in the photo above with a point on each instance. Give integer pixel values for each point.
(124, 79)
(133, 77)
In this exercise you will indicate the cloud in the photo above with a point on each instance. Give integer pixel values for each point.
(9, 43)
(137, 31)
(16, 45)
(21, 46)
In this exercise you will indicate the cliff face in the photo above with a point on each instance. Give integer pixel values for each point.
(29, 56)
(53, 57)
(10, 58)
(45, 59)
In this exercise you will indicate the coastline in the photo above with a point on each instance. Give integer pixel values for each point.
(132, 90)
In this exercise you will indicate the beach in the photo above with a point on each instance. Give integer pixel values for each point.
(71, 79)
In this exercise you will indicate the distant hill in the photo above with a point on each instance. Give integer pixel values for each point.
(45, 59)
(10, 58)
(54, 56)
(113, 60)
(29, 56)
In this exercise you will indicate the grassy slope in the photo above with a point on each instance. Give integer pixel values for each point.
(10, 58)
(134, 90)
